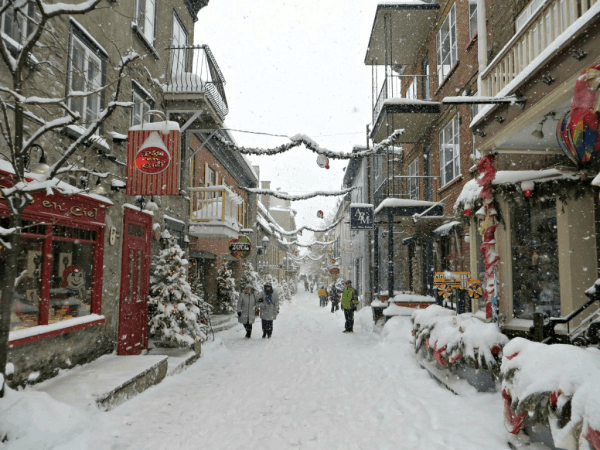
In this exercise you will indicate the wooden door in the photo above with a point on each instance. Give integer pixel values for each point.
(135, 283)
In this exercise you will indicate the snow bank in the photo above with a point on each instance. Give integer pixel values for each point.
(557, 384)
(455, 339)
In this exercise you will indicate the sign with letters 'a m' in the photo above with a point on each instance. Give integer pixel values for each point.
(361, 217)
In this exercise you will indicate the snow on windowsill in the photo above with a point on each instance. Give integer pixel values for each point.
(43, 329)
(165, 127)
(402, 203)
(145, 40)
(409, 101)
(173, 219)
(548, 52)
(137, 208)
(144, 90)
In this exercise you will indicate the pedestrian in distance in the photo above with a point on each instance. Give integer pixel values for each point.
(312, 286)
(245, 308)
(305, 285)
(335, 298)
(322, 293)
(268, 302)
(349, 305)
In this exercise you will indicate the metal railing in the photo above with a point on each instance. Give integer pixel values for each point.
(193, 69)
(544, 27)
(215, 204)
(392, 87)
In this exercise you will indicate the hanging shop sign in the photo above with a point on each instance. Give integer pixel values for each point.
(361, 217)
(445, 282)
(240, 248)
(577, 131)
(334, 271)
(153, 159)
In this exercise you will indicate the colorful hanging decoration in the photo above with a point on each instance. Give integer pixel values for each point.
(323, 161)
(240, 248)
(320, 214)
(468, 212)
(577, 132)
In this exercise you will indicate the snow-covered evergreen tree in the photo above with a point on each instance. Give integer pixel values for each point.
(175, 308)
(204, 306)
(226, 293)
(249, 275)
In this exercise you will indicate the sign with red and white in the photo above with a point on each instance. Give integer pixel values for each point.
(153, 159)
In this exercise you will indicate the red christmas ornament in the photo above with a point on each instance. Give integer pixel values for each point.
(468, 212)
(320, 214)
(528, 193)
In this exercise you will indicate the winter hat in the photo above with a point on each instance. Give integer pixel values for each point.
(268, 283)
(348, 281)
(248, 285)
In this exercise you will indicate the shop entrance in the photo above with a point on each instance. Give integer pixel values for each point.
(135, 282)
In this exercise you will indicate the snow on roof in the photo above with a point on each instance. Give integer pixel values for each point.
(544, 55)
(165, 127)
(400, 2)
(409, 101)
(446, 229)
(469, 195)
(402, 203)
(173, 219)
(361, 205)
(137, 208)
(118, 183)
(518, 176)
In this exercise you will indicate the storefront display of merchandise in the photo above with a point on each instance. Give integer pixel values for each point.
(536, 286)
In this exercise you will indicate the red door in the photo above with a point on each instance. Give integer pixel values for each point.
(135, 283)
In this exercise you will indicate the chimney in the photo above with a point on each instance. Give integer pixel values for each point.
(265, 199)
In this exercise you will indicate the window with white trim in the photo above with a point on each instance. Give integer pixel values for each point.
(15, 24)
(527, 13)
(178, 61)
(450, 151)
(146, 19)
(472, 18)
(141, 105)
(413, 180)
(85, 75)
(446, 46)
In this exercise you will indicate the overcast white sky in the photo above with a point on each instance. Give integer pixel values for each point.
(294, 67)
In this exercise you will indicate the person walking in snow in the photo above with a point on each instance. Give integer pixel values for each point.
(322, 293)
(268, 301)
(245, 308)
(335, 301)
(306, 285)
(312, 285)
(349, 305)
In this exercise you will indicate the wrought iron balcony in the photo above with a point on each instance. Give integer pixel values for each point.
(215, 212)
(193, 70)
(541, 33)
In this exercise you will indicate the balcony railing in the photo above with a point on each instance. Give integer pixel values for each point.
(193, 69)
(392, 87)
(215, 204)
(540, 32)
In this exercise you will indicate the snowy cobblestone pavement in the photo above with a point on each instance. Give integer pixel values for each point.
(310, 386)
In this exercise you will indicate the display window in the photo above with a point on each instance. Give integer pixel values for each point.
(59, 267)
(534, 249)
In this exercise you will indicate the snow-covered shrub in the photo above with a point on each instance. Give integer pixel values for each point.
(293, 285)
(174, 307)
(556, 385)
(226, 293)
(454, 340)
(204, 307)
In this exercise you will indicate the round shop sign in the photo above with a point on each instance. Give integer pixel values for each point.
(152, 160)
(334, 271)
(241, 247)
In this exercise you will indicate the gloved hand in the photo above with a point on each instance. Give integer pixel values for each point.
(239, 314)
(354, 308)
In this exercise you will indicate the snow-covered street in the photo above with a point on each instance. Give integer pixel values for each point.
(310, 386)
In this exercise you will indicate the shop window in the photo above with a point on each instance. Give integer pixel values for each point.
(450, 151)
(25, 311)
(56, 291)
(534, 249)
(71, 281)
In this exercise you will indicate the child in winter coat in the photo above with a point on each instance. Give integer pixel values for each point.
(322, 293)
(268, 301)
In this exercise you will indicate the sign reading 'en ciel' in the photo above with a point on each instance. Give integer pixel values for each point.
(154, 159)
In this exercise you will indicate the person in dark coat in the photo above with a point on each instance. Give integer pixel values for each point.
(349, 305)
(268, 302)
(245, 309)
(335, 301)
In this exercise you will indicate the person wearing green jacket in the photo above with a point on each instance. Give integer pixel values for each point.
(349, 305)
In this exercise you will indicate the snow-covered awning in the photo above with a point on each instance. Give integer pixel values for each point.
(446, 229)
(413, 115)
(406, 207)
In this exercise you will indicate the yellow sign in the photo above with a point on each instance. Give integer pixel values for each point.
(445, 282)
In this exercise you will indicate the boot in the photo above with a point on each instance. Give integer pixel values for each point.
(264, 334)
(269, 334)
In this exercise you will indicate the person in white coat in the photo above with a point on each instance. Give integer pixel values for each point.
(268, 302)
(245, 309)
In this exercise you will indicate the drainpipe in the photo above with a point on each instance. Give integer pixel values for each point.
(481, 45)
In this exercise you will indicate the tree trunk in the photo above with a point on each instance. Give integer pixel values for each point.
(7, 295)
